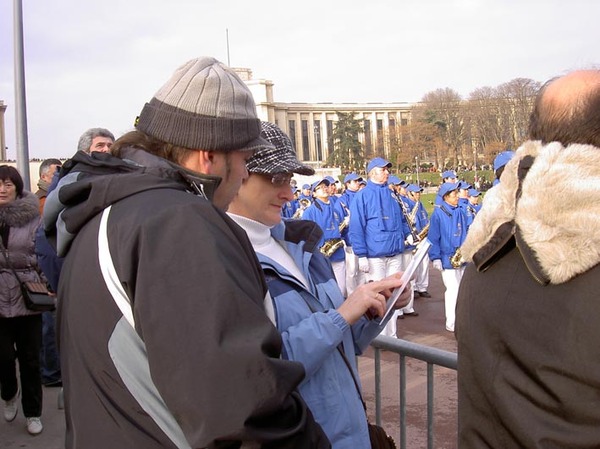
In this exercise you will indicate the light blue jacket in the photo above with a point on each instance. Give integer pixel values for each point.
(312, 338)
(377, 226)
(447, 232)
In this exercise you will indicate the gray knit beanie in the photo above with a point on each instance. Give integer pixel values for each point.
(204, 106)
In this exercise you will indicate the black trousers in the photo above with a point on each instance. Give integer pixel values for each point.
(21, 339)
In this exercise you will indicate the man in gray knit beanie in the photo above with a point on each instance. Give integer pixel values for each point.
(204, 105)
(164, 337)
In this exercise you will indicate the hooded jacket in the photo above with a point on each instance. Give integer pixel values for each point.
(23, 217)
(312, 330)
(528, 313)
(203, 355)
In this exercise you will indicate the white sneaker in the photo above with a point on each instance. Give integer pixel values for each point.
(34, 426)
(11, 407)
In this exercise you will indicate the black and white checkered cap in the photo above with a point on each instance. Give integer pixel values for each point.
(281, 159)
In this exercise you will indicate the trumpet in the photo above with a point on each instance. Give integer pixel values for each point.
(456, 259)
(331, 246)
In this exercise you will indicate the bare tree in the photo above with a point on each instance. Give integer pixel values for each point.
(443, 108)
(518, 96)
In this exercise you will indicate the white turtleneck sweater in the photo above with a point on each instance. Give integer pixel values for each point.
(264, 243)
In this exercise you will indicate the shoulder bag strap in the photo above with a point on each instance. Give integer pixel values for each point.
(138, 383)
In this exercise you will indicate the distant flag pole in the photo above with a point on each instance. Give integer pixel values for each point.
(227, 37)
(20, 103)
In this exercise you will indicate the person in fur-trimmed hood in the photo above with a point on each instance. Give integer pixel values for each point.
(528, 312)
(20, 328)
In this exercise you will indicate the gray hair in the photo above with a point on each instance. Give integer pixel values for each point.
(46, 164)
(85, 141)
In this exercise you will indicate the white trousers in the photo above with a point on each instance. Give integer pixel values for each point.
(422, 275)
(408, 308)
(339, 270)
(451, 280)
(379, 268)
(354, 277)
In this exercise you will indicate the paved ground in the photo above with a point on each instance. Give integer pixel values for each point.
(428, 329)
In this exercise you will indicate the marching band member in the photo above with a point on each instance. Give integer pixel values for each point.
(473, 206)
(421, 222)
(290, 207)
(447, 176)
(378, 229)
(400, 194)
(329, 217)
(354, 277)
(447, 232)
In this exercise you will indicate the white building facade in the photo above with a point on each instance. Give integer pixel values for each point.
(310, 125)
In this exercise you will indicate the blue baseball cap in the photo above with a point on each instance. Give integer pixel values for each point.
(503, 158)
(306, 186)
(414, 188)
(318, 183)
(351, 177)
(449, 174)
(464, 185)
(473, 192)
(378, 162)
(394, 180)
(446, 188)
(330, 179)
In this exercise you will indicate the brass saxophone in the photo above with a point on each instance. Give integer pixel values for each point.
(407, 217)
(421, 235)
(331, 246)
(456, 259)
(304, 203)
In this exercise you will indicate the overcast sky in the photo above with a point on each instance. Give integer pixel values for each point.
(95, 63)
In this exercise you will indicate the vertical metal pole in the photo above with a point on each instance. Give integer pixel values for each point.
(20, 102)
(402, 402)
(417, 167)
(378, 386)
(227, 36)
(475, 162)
(430, 406)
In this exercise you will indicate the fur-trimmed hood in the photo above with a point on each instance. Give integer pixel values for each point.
(558, 214)
(21, 211)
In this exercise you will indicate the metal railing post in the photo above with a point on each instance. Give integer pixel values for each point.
(404, 348)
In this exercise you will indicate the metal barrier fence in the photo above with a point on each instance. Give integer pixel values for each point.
(432, 356)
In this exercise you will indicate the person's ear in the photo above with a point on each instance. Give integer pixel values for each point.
(200, 161)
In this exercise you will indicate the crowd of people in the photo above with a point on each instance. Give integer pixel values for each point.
(205, 300)
(373, 225)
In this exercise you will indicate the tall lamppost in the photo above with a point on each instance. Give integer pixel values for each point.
(318, 152)
(417, 168)
(475, 160)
